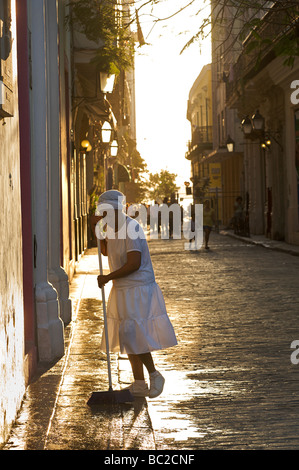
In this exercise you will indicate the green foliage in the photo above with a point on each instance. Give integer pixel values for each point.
(277, 30)
(102, 22)
(162, 185)
(93, 199)
(264, 23)
(138, 185)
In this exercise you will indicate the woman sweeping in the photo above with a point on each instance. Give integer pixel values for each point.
(137, 319)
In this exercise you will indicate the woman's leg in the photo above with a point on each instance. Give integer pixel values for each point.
(137, 366)
(137, 361)
(147, 360)
(207, 236)
(156, 379)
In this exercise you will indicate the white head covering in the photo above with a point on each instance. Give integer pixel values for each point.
(112, 198)
(108, 202)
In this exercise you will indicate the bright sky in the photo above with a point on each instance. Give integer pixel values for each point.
(163, 81)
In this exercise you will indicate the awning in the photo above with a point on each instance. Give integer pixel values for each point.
(123, 173)
(95, 109)
(218, 155)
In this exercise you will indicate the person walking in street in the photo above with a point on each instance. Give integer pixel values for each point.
(138, 323)
(208, 221)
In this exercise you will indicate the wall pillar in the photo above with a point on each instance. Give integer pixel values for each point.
(49, 324)
(56, 274)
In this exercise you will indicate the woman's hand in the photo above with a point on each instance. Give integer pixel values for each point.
(102, 280)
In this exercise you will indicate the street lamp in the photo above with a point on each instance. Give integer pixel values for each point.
(107, 82)
(188, 189)
(254, 128)
(246, 126)
(258, 122)
(230, 144)
(114, 148)
(106, 132)
(85, 144)
(267, 143)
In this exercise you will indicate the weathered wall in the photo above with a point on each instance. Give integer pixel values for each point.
(12, 381)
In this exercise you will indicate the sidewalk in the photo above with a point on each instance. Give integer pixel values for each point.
(261, 240)
(54, 415)
(230, 383)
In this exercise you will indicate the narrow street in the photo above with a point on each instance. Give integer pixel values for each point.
(230, 383)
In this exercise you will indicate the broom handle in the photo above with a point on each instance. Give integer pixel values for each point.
(105, 317)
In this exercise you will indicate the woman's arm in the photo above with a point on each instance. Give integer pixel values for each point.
(104, 247)
(132, 264)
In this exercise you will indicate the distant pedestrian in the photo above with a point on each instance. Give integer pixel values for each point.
(208, 221)
(137, 319)
(192, 228)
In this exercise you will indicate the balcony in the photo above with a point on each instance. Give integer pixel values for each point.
(253, 58)
(202, 139)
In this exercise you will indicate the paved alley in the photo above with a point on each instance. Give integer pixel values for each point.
(230, 382)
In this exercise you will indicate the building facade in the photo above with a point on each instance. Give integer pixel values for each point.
(199, 114)
(12, 338)
(228, 150)
(265, 97)
(48, 106)
(223, 166)
(255, 119)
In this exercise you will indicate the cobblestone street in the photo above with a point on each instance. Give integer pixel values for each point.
(230, 383)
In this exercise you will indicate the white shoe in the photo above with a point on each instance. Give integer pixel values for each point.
(138, 388)
(156, 384)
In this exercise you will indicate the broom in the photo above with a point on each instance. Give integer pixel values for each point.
(111, 396)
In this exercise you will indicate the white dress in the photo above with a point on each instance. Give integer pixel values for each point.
(136, 314)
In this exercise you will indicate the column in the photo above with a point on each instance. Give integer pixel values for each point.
(56, 274)
(49, 324)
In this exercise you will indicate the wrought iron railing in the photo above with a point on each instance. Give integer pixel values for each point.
(252, 58)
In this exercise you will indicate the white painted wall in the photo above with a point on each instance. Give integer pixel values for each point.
(12, 379)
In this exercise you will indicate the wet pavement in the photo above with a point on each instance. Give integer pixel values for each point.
(230, 382)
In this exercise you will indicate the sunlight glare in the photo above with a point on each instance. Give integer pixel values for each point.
(163, 81)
